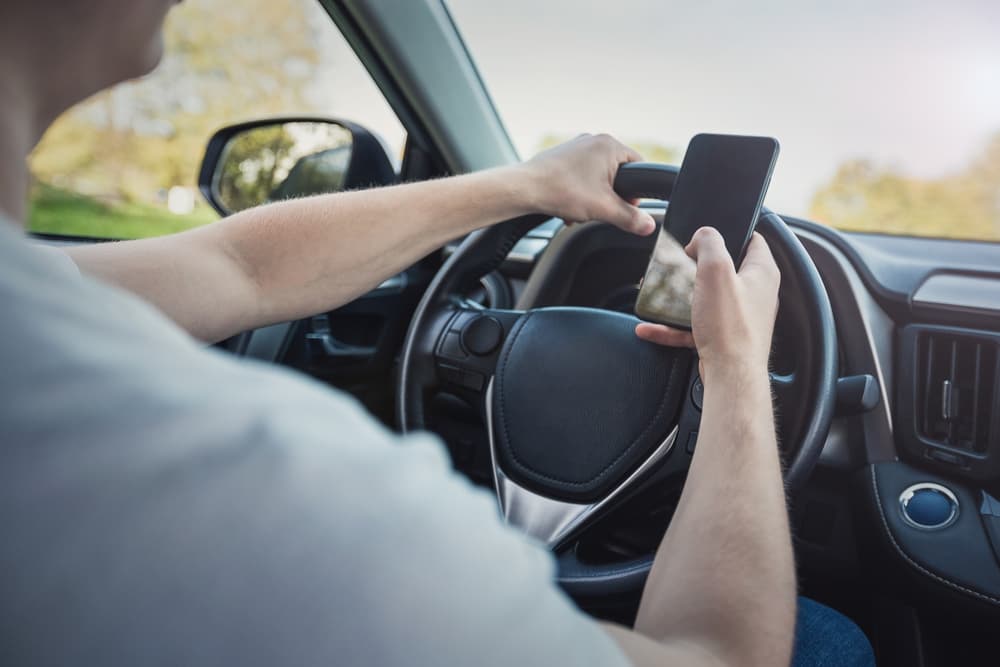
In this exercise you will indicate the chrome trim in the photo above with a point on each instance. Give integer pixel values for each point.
(547, 520)
(878, 327)
(947, 399)
(527, 250)
(392, 284)
(910, 491)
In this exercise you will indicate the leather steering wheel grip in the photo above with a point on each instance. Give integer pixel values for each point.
(645, 180)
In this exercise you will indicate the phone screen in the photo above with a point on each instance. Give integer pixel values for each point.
(721, 183)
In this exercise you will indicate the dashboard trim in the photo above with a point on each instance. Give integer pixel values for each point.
(913, 563)
(872, 317)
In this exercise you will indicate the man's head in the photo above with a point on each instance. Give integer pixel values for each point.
(58, 52)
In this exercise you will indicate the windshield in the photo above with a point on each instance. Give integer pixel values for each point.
(888, 111)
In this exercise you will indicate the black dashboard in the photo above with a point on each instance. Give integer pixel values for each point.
(922, 317)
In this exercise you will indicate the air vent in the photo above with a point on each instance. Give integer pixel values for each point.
(958, 386)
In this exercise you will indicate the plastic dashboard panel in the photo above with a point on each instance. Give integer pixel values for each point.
(894, 268)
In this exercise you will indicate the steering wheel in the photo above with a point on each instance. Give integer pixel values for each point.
(582, 414)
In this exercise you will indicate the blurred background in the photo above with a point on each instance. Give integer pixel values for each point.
(888, 111)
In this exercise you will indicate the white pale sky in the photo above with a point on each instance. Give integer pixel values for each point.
(910, 84)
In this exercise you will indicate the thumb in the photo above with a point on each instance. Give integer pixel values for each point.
(758, 254)
(709, 251)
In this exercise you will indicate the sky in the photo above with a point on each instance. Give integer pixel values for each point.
(912, 85)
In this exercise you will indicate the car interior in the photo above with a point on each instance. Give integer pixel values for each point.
(510, 343)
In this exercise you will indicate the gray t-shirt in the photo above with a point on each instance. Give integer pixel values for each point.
(163, 503)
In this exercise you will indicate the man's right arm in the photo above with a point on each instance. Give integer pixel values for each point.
(722, 587)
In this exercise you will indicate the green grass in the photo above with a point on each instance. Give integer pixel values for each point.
(57, 211)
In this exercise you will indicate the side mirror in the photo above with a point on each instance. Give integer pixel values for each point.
(262, 161)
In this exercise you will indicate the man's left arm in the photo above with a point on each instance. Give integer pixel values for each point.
(292, 259)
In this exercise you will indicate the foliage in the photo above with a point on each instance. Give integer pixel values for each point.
(863, 197)
(273, 162)
(121, 151)
(224, 60)
(314, 174)
(263, 148)
(56, 211)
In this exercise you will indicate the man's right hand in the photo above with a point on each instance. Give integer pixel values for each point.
(722, 587)
(732, 313)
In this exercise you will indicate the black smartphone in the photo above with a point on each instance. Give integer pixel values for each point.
(721, 183)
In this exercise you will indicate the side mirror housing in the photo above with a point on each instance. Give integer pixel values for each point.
(261, 161)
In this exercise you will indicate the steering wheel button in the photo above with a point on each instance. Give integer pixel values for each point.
(451, 347)
(692, 441)
(482, 335)
(450, 373)
(697, 392)
(472, 380)
(461, 319)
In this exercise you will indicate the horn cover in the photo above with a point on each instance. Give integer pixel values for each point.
(580, 401)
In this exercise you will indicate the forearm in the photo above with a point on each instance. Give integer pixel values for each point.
(311, 255)
(292, 259)
(724, 574)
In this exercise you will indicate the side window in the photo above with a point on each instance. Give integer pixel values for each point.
(124, 164)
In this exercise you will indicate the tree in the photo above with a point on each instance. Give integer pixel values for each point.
(273, 162)
(249, 166)
(864, 197)
(223, 61)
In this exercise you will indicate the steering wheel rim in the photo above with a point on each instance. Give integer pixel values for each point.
(484, 250)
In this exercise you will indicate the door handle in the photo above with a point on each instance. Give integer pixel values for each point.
(323, 344)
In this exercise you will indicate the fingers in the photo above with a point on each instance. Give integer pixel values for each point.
(631, 155)
(664, 335)
(631, 218)
(622, 152)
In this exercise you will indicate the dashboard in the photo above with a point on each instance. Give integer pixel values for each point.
(921, 317)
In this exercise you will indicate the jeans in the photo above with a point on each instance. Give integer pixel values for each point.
(827, 638)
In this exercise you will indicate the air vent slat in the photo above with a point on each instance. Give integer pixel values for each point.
(951, 413)
(928, 380)
(961, 384)
(977, 373)
(993, 431)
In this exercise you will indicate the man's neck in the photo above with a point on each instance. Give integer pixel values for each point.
(19, 131)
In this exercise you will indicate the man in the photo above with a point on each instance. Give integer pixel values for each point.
(163, 503)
